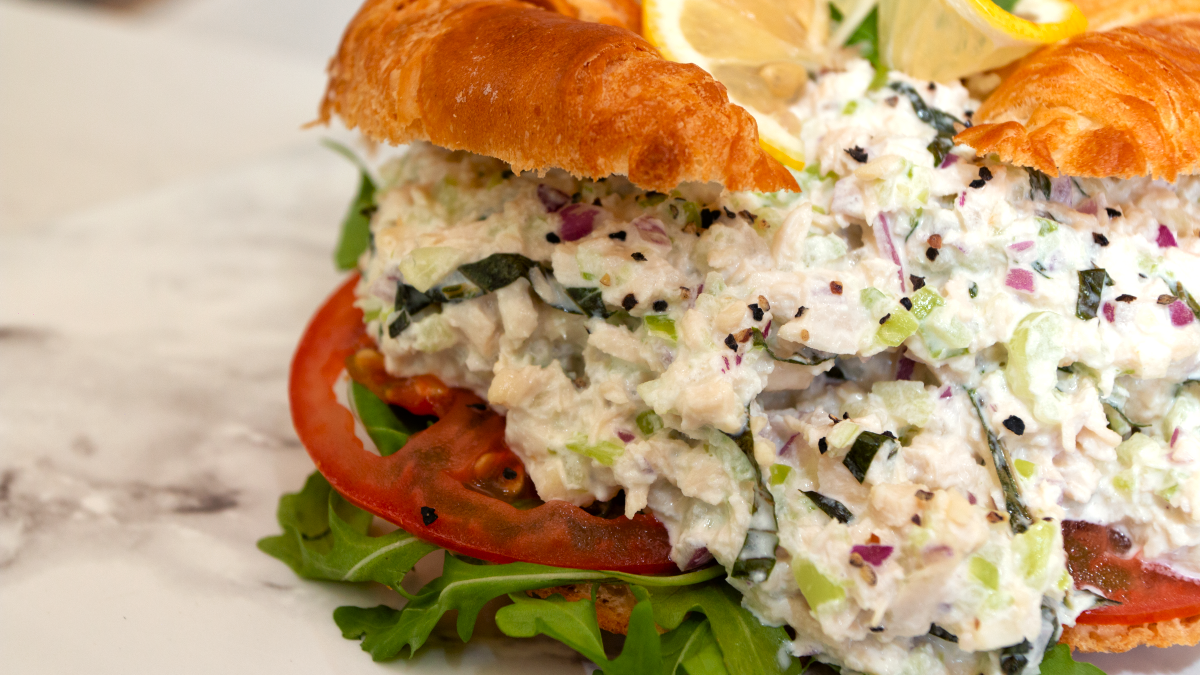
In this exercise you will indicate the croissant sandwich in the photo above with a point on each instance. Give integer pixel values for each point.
(928, 405)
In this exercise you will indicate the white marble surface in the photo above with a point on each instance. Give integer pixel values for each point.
(165, 232)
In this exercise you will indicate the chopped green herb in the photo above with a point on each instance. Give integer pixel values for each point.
(589, 300)
(942, 122)
(1019, 518)
(865, 447)
(649, 422)
(497, 270)
(1039, 184)
(1091, 287)
(832, 507)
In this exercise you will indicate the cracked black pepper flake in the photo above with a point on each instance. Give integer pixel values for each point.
(660, 305)
(969, 113)
(744, 335)
(917, 282)
(728, 214)
(1112, 213)
(977, 183)
(884, 318)
(823, 445)
(857, 154)
(428, 515)
(731, 342)
(477, 406)
(553, 238)
(1015, 424)
(985, 173)
(748, 216)
(835, 287)
(906, 303)
(596, 202)
(637, 255)
(846, 415)
(933, 86)
(619, 236)
(931, 253)
(1125, 297)
(756, 312)
(877, 629)
(629, 302)
(1100, 239)
(916, 519)
(1165, 299)
(708, 217)
(800, 312)
(509, 473)
(935, 241)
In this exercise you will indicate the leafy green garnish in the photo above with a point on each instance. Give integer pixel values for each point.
(589, 300)
(832, 507)
(1039, 183)
(497, 270)
(381, 423)
(942, 122)
(1019, 518)
(1091, 287)
(863, 452)
(1058, 661)
(356, 226)
(866, 38)
(692, 646)
(325, 537)
(574, 624)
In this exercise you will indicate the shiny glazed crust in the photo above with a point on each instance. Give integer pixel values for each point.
(1093, 638)
(541, 90)
(1117, 104)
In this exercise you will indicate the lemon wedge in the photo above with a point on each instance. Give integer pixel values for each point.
(761, 50)
(943, 40)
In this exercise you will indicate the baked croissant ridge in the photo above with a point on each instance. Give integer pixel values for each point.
(1109, 14)
(1120, 104)
(540, 90)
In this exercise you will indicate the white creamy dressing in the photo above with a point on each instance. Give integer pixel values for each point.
(649, 400)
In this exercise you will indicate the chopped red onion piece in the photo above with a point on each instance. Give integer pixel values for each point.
(971, 498)
(883, 235)
(904, 369)
(1021, 245)
(962, 199)
(1089, 207)
(767, 330)
(788, 444)
(874, 554)
(578, 221)
(625, 436)
(1061, 190)
(1166, 238)
(947, 393)
(1022, 280)
(1180, 314)
(551, 198)
(950, 160)
(1110, 312)
(700, 557)
(1174, 436)
(652, 230)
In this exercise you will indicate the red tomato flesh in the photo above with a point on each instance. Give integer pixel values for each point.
(1098, 559)
(432, 474)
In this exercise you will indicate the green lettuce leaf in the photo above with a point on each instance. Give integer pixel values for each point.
(466, 587)
(325, 537)
(1058, 661)
(574, 624)
(748, 646)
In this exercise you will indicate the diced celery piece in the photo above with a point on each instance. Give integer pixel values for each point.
(1126, 481)
(944, 334)
(649, 422)
(874, 300)
(843, 434)
(661, 324)
(907, 401)
(1046, 226)
(1025, 467)
(1137, 449)
(432, 334)
(427, 265)
(1034, 353)
(779, 473)
(605, 452)
(823, 248)
(1033, 548)
(984, 572)
(817, 588)
(925, 301)
(1183, 414)
(895, 330)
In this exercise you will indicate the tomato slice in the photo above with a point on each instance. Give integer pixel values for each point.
(425, 487)
(1098, 558)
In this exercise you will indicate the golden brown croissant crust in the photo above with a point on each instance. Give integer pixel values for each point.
(1089, 638)
(1109, 14)
(1123, 103)
(541, 90)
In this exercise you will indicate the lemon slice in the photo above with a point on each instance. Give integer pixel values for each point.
(943, 40)
(761, 50)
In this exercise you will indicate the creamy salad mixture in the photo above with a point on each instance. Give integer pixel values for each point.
(874, 401)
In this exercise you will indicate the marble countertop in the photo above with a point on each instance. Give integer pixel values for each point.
(161, 250)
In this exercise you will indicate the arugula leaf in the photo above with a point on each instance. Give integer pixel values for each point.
(381, 423)
(1058, 661)
(356, 226)
(692, 646)
(574, 624)
(748, 646)
(325, 537)
(467, 587)
(866, 38)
